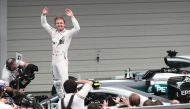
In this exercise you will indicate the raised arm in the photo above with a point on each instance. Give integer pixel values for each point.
(74, 21)
(84, 82)
(85, 89)
(44, 22)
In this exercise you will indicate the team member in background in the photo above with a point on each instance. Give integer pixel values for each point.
(61, 39)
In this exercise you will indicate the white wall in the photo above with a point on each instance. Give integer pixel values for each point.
(126, 33)
(3, 33)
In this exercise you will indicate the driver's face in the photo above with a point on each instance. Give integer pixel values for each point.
(59, 24)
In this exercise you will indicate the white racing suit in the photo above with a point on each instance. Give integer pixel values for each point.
(60, 44)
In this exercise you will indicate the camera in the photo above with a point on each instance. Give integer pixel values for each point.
(25, 76)
(29, 71)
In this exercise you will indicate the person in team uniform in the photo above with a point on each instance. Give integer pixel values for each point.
(61, 39)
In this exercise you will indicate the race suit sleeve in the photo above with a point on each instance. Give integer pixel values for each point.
(45, 24)
(76, 27)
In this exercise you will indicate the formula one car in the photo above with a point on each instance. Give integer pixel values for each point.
(156, 79)
(152, 81)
